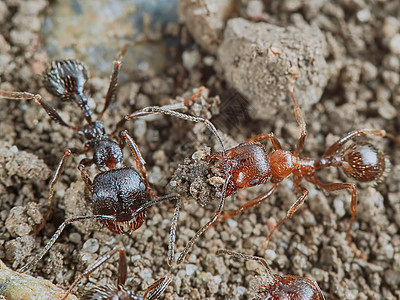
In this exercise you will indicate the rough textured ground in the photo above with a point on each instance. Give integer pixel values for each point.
(363, 91)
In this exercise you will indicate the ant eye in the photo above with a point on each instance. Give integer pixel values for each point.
(142, 186)
(254, 181)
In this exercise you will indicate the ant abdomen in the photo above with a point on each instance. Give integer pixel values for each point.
(363, 162)
(120, 193)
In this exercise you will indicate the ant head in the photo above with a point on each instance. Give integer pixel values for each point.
(120, 193)
(66, 80)
(363, 162)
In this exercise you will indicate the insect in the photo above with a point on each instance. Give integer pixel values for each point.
(249, 164)
(15, 286)
(119, 195)
(274, 287)
(153, 292)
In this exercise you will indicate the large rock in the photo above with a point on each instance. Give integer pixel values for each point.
(259, 60)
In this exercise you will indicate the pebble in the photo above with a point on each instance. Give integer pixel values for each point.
(91, 245)
(191, 269)
(394, 44)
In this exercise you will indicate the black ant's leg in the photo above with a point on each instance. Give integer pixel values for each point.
(55, 236)
(113, 81)
(84, 174)
(38, 99)
(53, 181)
(352, 134)
(157, 288)
(121, 269)
(190, 244)
(258, 138)
(295, 206)
(140, 162)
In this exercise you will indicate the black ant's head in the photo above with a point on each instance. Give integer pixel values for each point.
(94, 130)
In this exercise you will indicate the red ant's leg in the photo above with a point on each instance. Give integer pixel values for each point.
(140, 162)
(258, 138)
(351, 135)
(190, 244)
(295, 206)
(121, 269)
(251, 203)
(195, 96)
(299, 118)
(168, 112)
(157, 288)
(172, 233)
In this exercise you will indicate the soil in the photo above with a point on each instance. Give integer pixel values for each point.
(360, 86)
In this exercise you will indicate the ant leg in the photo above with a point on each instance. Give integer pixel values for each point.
(352, 134)
(295, 206)
(157, 288)
(172, 233)
(258, 138)
(353, 205)
(299, 118)
(140, 162)
(112, 88)
(155, 109)
(195, 96)
(190, 244)
(55, 236)
(254, 202)
(53, 181)
(247, 257)
(121, 269)
(84, 174)
(53, 114)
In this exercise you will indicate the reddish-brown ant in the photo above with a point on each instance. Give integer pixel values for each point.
(249, 164)
(153, 292)
(276, 287)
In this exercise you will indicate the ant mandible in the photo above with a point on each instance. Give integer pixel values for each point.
(281, 287)
(120, 195)
(249, 164)
(153, 292)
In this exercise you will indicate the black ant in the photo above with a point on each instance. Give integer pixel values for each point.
(275, 286)
(153, 292)
(249, 164)
(120, 195)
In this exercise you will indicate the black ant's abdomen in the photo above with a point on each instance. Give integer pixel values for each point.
(363, 162)
(120, 193)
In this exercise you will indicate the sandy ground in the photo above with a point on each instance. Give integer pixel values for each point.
(362, 91)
